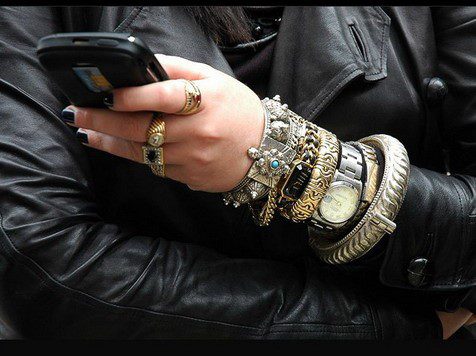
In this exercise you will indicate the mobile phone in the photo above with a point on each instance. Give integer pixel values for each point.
(88, 65)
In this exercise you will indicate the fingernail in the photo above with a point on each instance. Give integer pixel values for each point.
(68, 115)
(109, 100)
(82, 136)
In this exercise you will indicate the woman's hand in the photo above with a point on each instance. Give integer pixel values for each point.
(451, 322)
(206, 150)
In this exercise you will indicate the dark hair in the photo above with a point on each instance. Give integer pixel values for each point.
(226, 25)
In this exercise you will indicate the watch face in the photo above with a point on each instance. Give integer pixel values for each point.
(340, 203)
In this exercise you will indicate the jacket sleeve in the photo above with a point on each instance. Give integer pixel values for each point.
(434, 246)
(68, 273)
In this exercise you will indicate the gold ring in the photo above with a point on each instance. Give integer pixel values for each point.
(156, 131)
(193, 98)
(154, 158)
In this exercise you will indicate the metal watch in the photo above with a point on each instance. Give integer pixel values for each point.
(343, 197)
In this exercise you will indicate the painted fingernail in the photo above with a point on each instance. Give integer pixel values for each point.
(82, 136)
(109, 100)
(68, 115)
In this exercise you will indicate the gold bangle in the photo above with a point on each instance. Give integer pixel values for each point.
(307, 152)
(263, 214)
(378, 219)
(321, 177)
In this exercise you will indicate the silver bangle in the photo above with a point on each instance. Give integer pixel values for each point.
(378, 219)
(272, 159)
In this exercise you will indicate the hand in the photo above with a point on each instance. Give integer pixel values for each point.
(451, 322)
(471, 320)
(206, 150)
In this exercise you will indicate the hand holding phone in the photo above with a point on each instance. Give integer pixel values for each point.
(88, 65)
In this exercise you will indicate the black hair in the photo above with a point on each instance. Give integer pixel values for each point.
(226, 25)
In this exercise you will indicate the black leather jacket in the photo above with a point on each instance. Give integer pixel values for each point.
(92, 245)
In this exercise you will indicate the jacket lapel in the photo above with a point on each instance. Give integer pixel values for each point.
(320, 50)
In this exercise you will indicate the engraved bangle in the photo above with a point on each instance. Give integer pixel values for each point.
(280, 138)
(321, 177)
(263, 212)
(308, 151)
(378, 219)
(247, 190)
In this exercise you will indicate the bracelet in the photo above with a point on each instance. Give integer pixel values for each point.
(346, 188)
(291, 190)
(263, 213)
(372, 182)
(277, 150)
(248, 190)
(321, 177)
(378, 219)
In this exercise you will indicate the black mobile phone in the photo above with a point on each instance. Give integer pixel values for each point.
(88, 65)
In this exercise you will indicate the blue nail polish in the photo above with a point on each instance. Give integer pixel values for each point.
(109, 100)
(82, 136)
(68, 115)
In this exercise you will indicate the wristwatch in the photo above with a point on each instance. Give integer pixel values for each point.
(343, 197)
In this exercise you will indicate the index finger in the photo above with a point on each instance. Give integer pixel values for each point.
(167, 96)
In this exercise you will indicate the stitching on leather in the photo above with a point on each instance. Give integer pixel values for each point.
(323, 325)
(384, 43)
(71, 291)
(320, 331)
(336, 88)
(460, 268)
(376, 322)
(87, 299)
(127, 22)
(29, 97)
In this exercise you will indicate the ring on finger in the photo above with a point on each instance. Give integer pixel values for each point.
(156, 131)
(193, 98)
(152, 153)
(154, 158)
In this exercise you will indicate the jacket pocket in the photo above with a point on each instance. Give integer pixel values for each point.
(359, 41)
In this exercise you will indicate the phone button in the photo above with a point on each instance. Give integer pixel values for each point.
(107, 43)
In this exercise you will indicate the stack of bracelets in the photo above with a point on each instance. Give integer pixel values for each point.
(348, 193)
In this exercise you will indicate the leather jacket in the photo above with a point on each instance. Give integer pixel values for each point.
(92, 245)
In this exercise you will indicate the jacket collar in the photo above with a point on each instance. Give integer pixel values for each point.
(315, 60)
(319, 50)
(170, 30)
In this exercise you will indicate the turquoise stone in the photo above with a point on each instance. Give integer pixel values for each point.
(275, 164)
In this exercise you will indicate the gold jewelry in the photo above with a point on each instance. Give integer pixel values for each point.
(371, 185)
(156, 131)
(193, 98)
(321, 177)
(308, 150)
(154, 158)
(378, 219)
(264, 213)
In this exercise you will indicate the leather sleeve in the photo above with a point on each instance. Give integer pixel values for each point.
(70, 274)
(437, 221)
